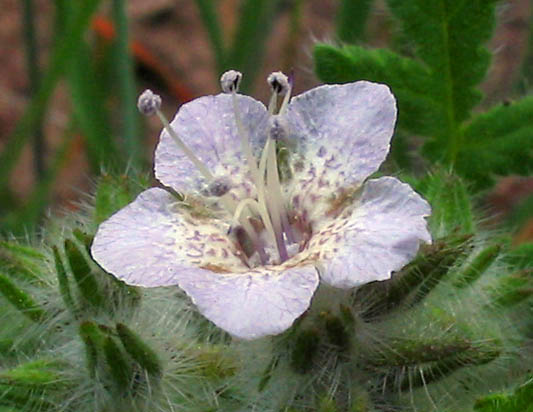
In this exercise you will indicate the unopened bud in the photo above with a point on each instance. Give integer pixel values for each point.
(148, 103)
(278, 82)
(230, 81)
(278, 127)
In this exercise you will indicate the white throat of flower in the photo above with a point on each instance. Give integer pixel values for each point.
(269, 206)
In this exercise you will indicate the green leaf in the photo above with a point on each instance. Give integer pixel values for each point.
(21, 300)
(512, 289)
(408, 79)
(498, 143)
(446, 34)
(519, 401)
(351, 19)
(139, 350)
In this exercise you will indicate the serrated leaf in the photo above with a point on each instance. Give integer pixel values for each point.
(498, 143)
(408, 79)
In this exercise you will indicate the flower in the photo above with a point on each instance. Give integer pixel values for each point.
(274, 201)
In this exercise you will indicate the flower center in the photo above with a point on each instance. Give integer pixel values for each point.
(261, 226)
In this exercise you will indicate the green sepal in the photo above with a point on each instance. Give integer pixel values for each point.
(478, 354)
(336, 331)
(326, 404)
(63, 282)
(93, 339)
(480, 263)
(42, 372)
(21, 261)
(84, 238)
(521, 256)
(304, 351)
(416, 280)
(512, 289)
(120, 367)
(21, 300)
(85, 279)
(450, 203)
(112, 194)
(141, 352)
(212, 362)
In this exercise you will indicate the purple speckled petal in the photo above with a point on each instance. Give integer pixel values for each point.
(346, 128)
(259, 303)
(152, 240)
(155, 242)
(342, 133)
(381, 235)
(207, 126)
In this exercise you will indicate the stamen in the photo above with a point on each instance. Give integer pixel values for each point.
(149, 104)
(287, 98)
(230, 81)
(218, 187)
(279, 83)
(228, 78)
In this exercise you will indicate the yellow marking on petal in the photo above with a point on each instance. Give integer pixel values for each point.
(215, 268)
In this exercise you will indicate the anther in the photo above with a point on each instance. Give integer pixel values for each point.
(230, 81)
(278, 127)
(278, 82)
(218, 187)
(149, 103)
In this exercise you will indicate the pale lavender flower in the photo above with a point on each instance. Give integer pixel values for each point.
(249, 245)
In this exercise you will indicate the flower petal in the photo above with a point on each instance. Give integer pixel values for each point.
(250, 305)
(346, 128)
(381, 235)
(207, 126)
(343, 134)
(152, 240)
